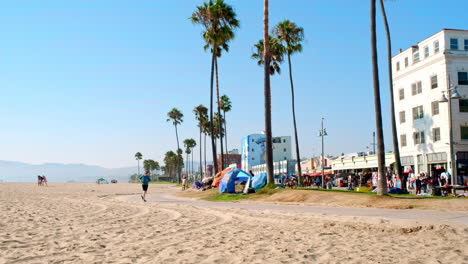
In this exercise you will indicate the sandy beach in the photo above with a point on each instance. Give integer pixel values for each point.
(90, 223)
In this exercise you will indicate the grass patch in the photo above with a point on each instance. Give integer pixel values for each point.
(225, 197)
(402, 196)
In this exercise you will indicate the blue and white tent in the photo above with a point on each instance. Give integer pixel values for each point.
(228, 182)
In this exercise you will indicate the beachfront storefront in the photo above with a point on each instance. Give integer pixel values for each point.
(360, 163)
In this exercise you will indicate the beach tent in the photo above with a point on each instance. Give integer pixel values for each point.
(258, 181)
(102, 181)
(219, 176)
(228, 182)
(255, 182)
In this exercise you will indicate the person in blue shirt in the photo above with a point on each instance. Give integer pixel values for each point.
(144, 184)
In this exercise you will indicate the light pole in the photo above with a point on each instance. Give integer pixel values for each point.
(323, 133)
(453, 95)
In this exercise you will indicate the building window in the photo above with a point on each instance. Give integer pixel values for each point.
(418, 112)
(453, 44)
(398, 66)
(406, 62)
(463, 104)
(284, 140)
(435, 108)
(402, 93)
(434, 83)
(253, 158)
(402, 117)
(416, 57)
(463, 78)
(426, 52)
(403, 140)
(418, 137)
(466, 44)
(436, 134)
(253, 150)
(436, 47)
(464, 132)
(284, 150)
(416, 88)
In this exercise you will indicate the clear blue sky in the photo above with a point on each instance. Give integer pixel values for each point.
(91, 81)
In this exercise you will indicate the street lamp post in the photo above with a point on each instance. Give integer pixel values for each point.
(452, 93)
(323, 133)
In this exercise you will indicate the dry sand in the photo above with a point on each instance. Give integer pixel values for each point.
(89, 223)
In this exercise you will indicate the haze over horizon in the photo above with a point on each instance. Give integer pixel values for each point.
(90, 82)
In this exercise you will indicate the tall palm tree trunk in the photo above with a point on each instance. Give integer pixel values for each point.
(205, 155)
(225, 135)
(213, 146)
(177, 153)
(219, 114)
(138, 167)
(201, 169)
(396, 145)
(267, 95)
(191, 166)
(298, 156)
(382, 179)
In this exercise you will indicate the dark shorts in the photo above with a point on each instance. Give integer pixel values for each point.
(145, 187)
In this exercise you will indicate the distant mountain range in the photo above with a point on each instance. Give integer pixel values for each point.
(12, 171)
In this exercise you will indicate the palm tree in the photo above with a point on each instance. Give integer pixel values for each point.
(175, 116)
(201, 114)
(382, 179)
(219, 21)
(292, 35)
(277, 51)
(138, 157)
(396, 146)
(267, 95)
(270, 55)
(226, 106)
(187, 152)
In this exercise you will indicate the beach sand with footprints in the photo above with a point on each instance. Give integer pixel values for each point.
(90, 223)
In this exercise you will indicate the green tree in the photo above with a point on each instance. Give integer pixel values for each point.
(175, 116)
(276, 52)
(382, 179)
(219, 22)
(189, 144)
(201, 115)
(225, 106)
(269, 53)
(138, 157)
(396, 145)
(173, 163)
(147, 165)
(291, 35)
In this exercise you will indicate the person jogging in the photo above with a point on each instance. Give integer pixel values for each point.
(144, 184)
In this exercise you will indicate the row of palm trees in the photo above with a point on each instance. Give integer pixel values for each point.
(219, 23)
(205, 124)
(148, 165)
(271, 58)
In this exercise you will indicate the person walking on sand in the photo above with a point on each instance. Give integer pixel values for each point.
(144, 184)
(184, 183)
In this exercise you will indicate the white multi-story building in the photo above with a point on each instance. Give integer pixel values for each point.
(253, 150)
(421, 74)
